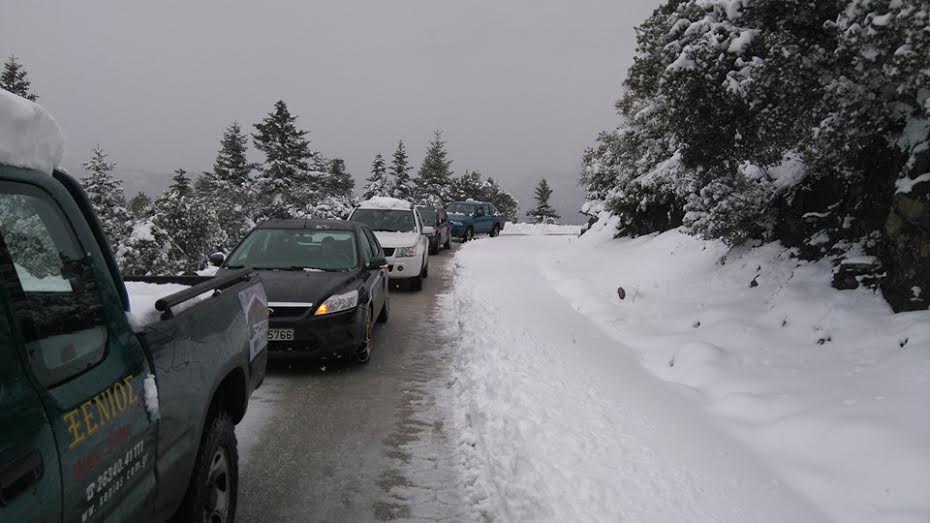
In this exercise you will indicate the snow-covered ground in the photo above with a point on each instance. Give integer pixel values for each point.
(521, 228)
(728, 385)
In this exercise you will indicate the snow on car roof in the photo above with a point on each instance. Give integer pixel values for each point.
(385, 202)
(29, 136)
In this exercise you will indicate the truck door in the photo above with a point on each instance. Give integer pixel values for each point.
(30, 481)
(87, 365)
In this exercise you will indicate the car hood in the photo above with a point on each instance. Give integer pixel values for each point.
(302, 286)
(396, 239)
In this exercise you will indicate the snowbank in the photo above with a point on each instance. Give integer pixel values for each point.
(828, 386)
(385, 202)
(142, 298)
(820, 393)
(559, 423)
(540, 228)
(29, 136)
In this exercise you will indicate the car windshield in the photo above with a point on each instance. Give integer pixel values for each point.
(292, 249)
(428, 216)
(390, 220)
(461, 208)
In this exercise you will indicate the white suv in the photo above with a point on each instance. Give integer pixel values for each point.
(399, 229)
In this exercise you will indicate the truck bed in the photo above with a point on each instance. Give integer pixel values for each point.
(197, 336)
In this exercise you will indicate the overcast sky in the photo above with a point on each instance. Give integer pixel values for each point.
(520, 87)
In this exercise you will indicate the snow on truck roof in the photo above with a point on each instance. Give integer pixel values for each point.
(385, 202)
(29, 137)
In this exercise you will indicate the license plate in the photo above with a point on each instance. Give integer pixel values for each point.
(280, 334)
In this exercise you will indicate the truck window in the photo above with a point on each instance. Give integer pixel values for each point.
(54, 292)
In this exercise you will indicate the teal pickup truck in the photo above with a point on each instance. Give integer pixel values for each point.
(103, 418)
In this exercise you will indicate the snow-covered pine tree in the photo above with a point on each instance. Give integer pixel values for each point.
(402, 186)
(467, 186)
(13, 79)
(229, 188)
(435, 176)
(337, 182)
(140, 205)
(378, 184)
(188, 226)
(287, 183)
(106, 196)
(543, 212)
(147, 251)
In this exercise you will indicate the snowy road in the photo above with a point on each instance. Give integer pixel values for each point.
(356, 443)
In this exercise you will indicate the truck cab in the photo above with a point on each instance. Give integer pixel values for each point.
(101, 418)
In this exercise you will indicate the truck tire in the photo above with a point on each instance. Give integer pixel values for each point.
(496, 230)
(214, 487)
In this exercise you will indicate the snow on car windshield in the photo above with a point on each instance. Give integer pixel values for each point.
(386, 219)
(296, 249)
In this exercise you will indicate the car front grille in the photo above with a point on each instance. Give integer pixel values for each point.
(287, 312)
(388, 251)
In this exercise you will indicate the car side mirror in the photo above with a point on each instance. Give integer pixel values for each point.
(216, 259)
(378, 262)
(428, 229)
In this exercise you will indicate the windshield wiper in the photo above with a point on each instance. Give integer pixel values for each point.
(233, 266)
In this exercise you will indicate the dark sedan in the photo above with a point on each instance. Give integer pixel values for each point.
(326, 282)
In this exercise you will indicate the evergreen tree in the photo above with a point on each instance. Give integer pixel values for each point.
(402, 186)
(106, 196)
(181, 185)
(231, 168)
(286, 183)
(337, 181)
(435, 176)
(187, 225)
(467, 187)
(228, 188)
(378, 184)
(543, 212)
(14, 79)
(139, 205)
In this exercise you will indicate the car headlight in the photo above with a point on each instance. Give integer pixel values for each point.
(338, 303)
(407, 252)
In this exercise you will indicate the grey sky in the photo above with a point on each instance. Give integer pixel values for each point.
(520, 87)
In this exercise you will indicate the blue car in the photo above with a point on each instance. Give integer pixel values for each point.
(472, 217)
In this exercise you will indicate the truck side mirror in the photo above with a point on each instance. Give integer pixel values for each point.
(216, 259)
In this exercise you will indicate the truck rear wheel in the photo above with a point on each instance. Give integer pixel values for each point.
(214, 487)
